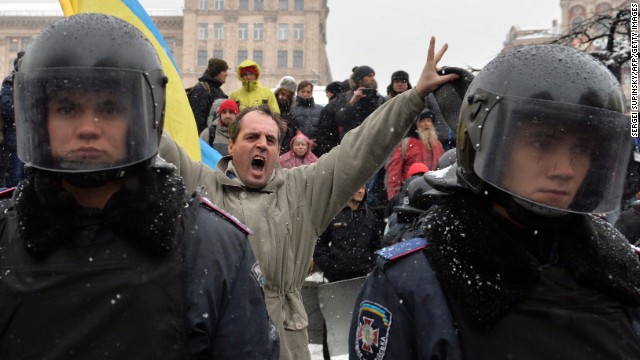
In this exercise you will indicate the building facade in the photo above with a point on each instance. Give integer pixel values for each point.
(574, 14)
(285, 37)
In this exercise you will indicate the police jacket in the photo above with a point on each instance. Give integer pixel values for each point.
(475, 289)
(147, 277)
(346, 248)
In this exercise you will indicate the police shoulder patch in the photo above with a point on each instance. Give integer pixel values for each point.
(225, 215)
(402, 248)
(256, 271)
(372, 334)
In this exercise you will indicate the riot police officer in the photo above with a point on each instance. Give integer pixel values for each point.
(512, 265)
(102, 253)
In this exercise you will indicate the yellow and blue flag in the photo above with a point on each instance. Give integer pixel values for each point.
(179, 120)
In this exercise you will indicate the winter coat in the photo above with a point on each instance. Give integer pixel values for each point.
(252, 93)
(350, 116)
(399, 164)
(10, 166)
(202, 96)
(151, 273)
(328, 134)
(220, 138)
(294, 208)
(346, 248)
(307, 114)
(628, 224)
(290, 160)
(471, 290)
(288, 114)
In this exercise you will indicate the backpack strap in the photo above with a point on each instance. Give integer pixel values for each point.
(206, 86)
(212, 133)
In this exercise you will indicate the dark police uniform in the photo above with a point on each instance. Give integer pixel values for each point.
(480, 288)
(99, 294)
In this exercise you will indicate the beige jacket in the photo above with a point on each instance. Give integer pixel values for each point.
(292, 210)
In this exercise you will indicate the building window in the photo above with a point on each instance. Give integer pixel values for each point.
(298, 31)
(298, 59)
(244, 4)
(14, 44)
(258, 31)
(218, 31)
(26, 41)
(203, 4)
(202, 58)
(258, 5)
(282, 58)
(283, 29)
(242, 56)
(202, 31)
(243, 30)
(218, 54)
(258, 57)
(298, 5)
(577, 24)
(284, 4)
(218, 4)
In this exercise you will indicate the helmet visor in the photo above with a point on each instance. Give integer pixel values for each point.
(84, 119)
(561, 156)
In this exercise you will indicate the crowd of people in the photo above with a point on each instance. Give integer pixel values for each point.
(498, 244)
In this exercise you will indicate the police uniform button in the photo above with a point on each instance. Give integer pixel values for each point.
(299, 326)
(243, 195)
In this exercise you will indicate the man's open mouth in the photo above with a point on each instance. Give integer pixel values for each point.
(257, 163)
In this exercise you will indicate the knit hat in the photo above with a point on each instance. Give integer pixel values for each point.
(228, 105)
(247, 69)
(334, 87)
(400, 75)
(361, 72)
(216, 66)
(426, 113)
(287, 83)
(417, 168)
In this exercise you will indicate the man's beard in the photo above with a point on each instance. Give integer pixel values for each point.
(427, 136)
(285, 106)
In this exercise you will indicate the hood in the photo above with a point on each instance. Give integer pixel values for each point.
(248, 63)
(300, 135)
(288, 83)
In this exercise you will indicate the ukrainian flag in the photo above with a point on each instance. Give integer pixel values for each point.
(179, 120)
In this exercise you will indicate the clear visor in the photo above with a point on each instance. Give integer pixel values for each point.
(84, 119)
(560, 156)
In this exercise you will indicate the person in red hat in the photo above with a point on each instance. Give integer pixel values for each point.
(251, 93)
(217, 135)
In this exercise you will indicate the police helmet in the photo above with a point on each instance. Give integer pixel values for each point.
(560, 112)
(89, 66)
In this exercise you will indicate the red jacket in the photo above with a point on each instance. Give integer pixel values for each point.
(415, 152)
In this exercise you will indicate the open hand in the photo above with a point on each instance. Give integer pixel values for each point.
(430, 79)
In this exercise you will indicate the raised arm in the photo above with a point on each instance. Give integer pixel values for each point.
(337, 175)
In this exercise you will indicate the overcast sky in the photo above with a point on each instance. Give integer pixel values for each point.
(391, 35)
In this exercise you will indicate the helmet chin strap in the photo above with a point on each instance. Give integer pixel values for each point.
(93, 179)
(527, 213)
